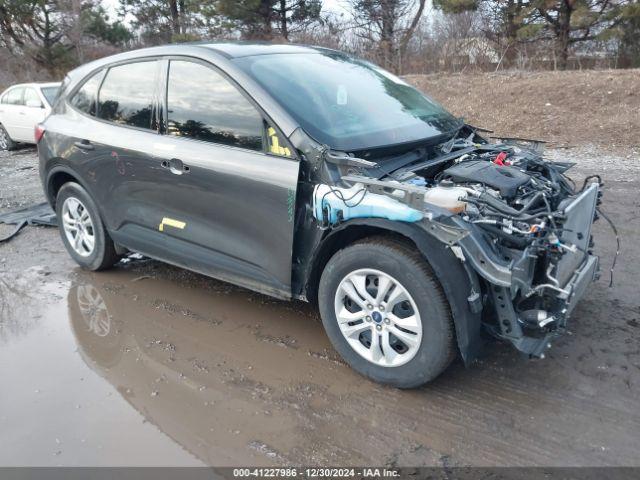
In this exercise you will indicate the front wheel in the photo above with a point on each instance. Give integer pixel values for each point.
(386, 314)
(5, 140)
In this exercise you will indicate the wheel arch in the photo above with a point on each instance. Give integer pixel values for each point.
(458, 280)
(56, 178)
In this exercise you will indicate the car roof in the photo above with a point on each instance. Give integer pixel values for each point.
(248, 49)
(35, 84)
(228, 50)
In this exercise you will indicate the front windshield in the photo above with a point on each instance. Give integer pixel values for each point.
(346, 103)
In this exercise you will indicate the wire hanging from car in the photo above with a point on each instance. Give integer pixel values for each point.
(338, 193)
(591, 177)
(615, 232)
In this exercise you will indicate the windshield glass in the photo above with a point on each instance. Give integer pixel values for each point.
(346, 103)
(50, 93)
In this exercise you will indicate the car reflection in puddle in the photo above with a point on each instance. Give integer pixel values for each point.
(211, 378)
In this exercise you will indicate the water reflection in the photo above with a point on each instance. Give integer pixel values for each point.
(209, 375)
(93, 310)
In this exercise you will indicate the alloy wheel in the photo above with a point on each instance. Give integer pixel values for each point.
(378, 317)
(78, 226)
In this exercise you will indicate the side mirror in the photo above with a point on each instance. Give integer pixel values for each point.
(34, 104)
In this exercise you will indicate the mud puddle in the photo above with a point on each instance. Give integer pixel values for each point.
(150, 365)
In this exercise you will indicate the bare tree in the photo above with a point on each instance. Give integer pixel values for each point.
(389, 24)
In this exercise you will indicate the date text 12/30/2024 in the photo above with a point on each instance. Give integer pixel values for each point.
(293, 472)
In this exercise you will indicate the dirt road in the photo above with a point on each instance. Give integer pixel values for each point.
(148, 364)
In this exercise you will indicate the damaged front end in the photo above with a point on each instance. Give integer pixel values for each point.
(512, 218)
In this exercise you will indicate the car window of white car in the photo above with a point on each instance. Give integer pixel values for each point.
(32, 99)
(14, 97)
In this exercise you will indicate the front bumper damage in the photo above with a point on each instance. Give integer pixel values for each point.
(531, 307)
(517, 227)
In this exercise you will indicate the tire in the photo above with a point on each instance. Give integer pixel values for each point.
(381, 261)
(95, 250)
(5, 140)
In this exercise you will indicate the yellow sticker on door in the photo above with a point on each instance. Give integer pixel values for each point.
(274, 144)
(171, 223)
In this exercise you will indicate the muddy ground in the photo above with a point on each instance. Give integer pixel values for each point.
(148, 364)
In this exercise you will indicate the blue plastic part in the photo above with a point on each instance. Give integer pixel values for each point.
(418, 181)
(355, 202)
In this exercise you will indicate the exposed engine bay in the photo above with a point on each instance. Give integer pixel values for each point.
(512, 217)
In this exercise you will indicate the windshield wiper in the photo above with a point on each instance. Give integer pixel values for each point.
(393, 164)
(448, 145)
(453, 141)
(344, 159)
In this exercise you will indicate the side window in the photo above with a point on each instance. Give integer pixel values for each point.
(202, 104)
(85, 98)
(126, 95)
(31, 98)
(14, 97)
(3, 100)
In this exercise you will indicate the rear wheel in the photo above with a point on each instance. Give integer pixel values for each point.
(82, 230)
(386, 314)
(5, 140)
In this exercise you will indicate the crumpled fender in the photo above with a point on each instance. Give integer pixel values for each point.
(458, 281)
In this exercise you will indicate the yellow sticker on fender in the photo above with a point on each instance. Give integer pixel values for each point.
(171, 223)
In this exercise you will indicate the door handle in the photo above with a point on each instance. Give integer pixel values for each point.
(175, 166)
(84, 145)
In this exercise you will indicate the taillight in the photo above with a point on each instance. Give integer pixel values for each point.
(38, 133)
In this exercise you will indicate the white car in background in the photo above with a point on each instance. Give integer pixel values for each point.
(22, 107)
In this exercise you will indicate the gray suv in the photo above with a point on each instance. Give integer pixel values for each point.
(304, 173)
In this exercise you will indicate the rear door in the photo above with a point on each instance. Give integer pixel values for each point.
(226, 181)
(112, 127)
(127, 130)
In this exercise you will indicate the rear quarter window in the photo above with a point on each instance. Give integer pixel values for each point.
(86, 97)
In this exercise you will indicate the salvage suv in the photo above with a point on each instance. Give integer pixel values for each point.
(304, 173)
